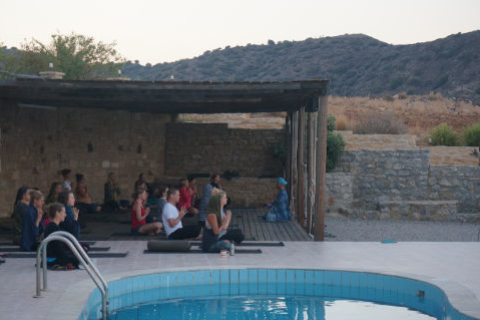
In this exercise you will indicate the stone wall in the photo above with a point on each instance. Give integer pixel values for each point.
(460, 183)
(401, 184)
(209, 148)
(37, 143)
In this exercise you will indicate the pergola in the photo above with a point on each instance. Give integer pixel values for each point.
(306, 162)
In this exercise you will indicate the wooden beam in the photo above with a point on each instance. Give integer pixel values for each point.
(301, 167)
(311, 170)
(321, 169)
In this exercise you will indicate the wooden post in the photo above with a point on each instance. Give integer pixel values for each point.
(293, 164)
(319, 233)
(288, 143)
(301, 167)
(311, 170)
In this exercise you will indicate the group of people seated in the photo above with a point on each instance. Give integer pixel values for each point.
(164, 210)
(174, 204)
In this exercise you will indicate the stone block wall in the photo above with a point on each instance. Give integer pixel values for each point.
(36, 144)
(386, 175)
(461, 183)
(401, 184)
(214, 148)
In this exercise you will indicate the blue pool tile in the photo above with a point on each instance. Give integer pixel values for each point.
(337, 278)
(371, 280)
(362, 280)
(189, 278)
(180, 278)
(290, 288)
(272, 287)
(262, 288)
(328, 278)
(318, 277)
(253, 275)
(198, 277)
(281, 275)
(234, 289)
(225, 276)
(215, 276)
(309, 276)
(253, 287)
(262, 275)
(271, 276)
(346, 278)
(299, 276)
(243, 288)
(164, 280)
(234, 276)
(354, 279)
(290, 276)
(363, 293)
(215, 289)
(243, 275)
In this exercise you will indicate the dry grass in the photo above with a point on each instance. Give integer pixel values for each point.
(420, 114)
(379, 123)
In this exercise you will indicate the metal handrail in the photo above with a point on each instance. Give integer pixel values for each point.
(82, 257)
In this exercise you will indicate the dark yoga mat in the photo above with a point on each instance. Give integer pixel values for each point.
(19, 250)
(239, 251)
(251, 244)
(11, 244)
(91, 255)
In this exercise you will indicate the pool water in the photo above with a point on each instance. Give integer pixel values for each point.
(272, 308)
(270, 294)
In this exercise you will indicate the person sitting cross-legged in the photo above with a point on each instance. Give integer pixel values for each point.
(216, 236)
(172, 219)
(139, 213)
(62, 259)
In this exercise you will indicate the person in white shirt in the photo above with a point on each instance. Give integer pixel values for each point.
(172, 219)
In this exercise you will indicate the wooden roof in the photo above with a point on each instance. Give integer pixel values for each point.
(167, 97)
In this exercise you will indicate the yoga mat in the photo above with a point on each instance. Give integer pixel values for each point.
(239, 251)
(91, 255)
(16, 249)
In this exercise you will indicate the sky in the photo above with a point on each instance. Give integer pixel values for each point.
(156, 31)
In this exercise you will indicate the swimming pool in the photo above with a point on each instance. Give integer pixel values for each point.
(277, 283)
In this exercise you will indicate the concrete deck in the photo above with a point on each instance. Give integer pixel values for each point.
(453, 266)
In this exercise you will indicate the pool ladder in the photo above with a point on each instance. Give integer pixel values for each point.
(83, 259)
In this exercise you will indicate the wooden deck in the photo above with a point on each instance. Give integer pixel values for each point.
(251, 222)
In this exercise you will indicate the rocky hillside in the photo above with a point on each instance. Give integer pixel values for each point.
(357, 65)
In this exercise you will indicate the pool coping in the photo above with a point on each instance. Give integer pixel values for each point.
(74, 298)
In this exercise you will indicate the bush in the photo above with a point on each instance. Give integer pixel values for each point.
(375, 122)
(331, 123)
(444, 135)
(472, 136)
(335, 147)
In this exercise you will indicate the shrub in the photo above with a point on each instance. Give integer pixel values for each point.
(375, 122)
(331, 123)
(335, 147)
(444, 135)
(472, 136)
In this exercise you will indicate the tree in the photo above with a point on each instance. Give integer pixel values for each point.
(78, 56)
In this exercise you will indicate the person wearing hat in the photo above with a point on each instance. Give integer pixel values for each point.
(280, 210)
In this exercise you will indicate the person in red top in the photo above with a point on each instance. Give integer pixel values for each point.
(186, 194)
(138, 215)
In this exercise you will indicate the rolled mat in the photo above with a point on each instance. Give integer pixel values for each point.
(168, 245)
(237, 251)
